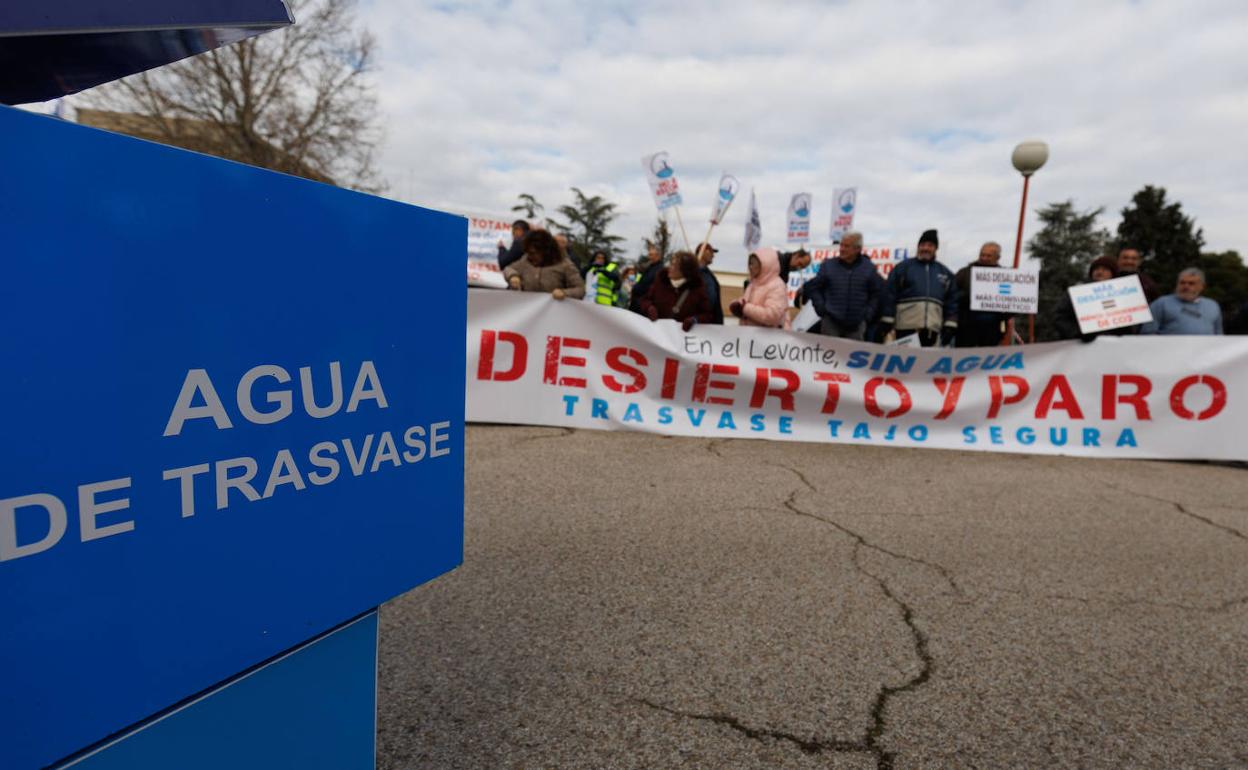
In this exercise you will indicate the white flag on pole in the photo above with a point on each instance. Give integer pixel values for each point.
(662, 179)
(725, 194)
(753, 225)
(799, 218)
(844, 206)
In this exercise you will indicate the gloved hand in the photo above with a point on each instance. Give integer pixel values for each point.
(1085, 338)
(737, 308)
(653, 313)
(946, 336)
(688, 323)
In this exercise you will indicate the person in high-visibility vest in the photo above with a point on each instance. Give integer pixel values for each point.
(602, 281)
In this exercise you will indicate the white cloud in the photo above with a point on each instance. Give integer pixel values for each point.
(918, 104)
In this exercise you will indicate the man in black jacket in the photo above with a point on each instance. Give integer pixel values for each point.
(519, 231)
(647, 272)
(978, 328)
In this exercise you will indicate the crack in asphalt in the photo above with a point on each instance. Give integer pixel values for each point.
(869, 743)
(712, 446)
(1183, 510)
(860, 540)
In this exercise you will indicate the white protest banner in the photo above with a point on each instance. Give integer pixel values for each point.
(753, 225)
(484, 233)
(662, 179)
(533, 360)
(1002, 290)
(1110, 304)
(844, 206)
(725, 194)
(799, 218)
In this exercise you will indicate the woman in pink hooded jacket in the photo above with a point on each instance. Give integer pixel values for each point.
(766, 300)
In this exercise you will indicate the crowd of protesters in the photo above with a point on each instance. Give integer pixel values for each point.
(920, 297)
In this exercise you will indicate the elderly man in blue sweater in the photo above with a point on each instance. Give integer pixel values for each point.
(1185, 311)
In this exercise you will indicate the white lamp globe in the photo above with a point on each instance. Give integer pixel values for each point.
(1029, 156)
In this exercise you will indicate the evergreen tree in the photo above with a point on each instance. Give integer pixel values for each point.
(1166, 239)
(1065, 246)
(1226, 280)
(529, 206)
(586, 225)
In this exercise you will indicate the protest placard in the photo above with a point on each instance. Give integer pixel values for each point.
(799, 218)
(1112, 304)
(662, 179)
(1002, 290)
(844, 206)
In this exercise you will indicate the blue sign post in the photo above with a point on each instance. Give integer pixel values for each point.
(232, 414)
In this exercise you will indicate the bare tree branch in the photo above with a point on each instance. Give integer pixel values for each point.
(299, 100)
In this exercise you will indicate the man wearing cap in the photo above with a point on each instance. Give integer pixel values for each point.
(706, 255)
(922, 297)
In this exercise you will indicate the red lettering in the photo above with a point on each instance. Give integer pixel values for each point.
(996, 386)
(762, 389)
(1179, 391)
(873, 407)
(834, 380)
(1058, 395)
(671, 368)
(1111, 398)
(614, 356)
(702, 382)
(554, 360)
(951, 390)
(519, 360)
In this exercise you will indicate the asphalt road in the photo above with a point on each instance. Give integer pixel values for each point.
(634, 601)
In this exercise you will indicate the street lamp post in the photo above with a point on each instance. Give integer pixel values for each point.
(1028, 157)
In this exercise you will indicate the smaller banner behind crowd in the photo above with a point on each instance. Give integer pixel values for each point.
(484, 233)
(533, 360)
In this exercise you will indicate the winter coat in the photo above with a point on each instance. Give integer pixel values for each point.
(508, 256)
(713, 294)
(644, 281)
(847, 294)
(663, 298)
(561, 275)
(921, 295)
(766, 300)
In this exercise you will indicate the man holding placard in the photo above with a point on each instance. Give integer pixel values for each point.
(988, 295)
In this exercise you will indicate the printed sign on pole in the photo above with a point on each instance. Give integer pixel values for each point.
(844, 206)
(1001, 290)
(753, 225)
(799, 218)
(484, 233)
(662, 179)
(724, 196)
(1110, 304)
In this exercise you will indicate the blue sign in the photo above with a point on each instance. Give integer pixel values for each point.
(313, 707)
(233, 419)
(57, 47)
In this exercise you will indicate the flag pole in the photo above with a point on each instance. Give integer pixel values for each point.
(681, 220)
